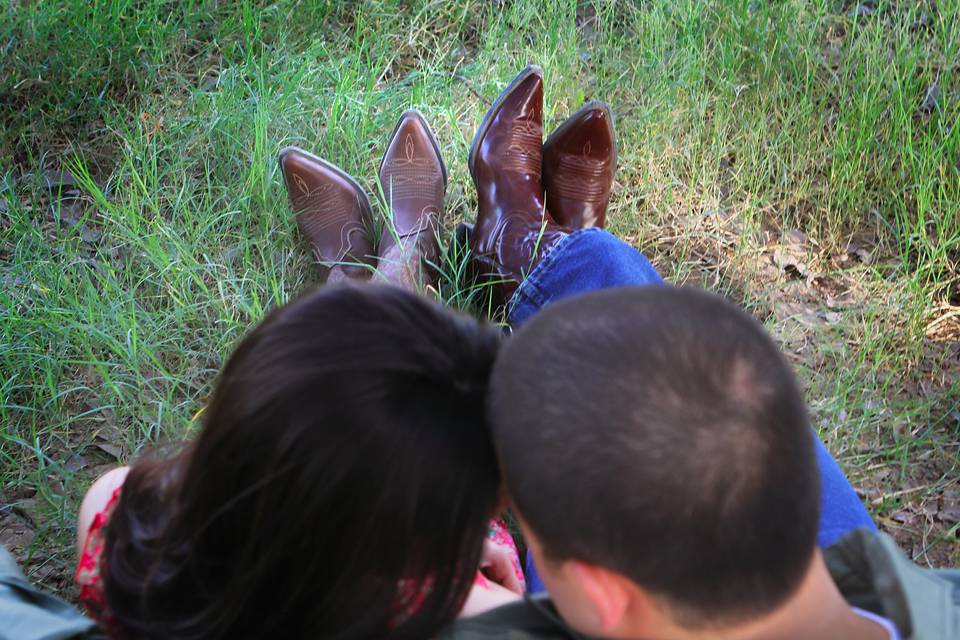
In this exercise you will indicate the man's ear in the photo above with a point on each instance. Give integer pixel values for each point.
(608, 592)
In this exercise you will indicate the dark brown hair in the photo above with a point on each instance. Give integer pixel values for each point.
(343, 462)
(660, 433)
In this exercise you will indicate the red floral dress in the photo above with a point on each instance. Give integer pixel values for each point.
(500, 535)
(90, 567)
(413, 593)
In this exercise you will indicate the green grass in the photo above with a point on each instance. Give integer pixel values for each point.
(737, 122)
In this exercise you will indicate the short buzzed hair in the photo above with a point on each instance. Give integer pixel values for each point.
(660, 433)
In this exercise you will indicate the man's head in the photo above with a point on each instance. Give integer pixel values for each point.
(654, 442)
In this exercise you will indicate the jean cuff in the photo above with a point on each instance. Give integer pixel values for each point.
(531, 292)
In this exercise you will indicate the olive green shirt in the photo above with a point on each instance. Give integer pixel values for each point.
(26, 613)
(868, 568)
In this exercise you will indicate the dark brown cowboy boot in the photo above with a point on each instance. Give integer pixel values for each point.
(579, 160)
(333, 214)
(513, 230)
(414, 179)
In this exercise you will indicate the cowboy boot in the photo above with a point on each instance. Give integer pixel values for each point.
(332, 212)
(579, 161)
(513, 230)
(414, 180)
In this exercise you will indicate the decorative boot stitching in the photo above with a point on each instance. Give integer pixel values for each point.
(524, 146)
(584, 178)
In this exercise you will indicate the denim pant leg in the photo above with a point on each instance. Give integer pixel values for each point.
(840, 508)
(591, 259)
(586, 260)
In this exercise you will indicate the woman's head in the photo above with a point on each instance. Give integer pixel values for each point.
(344, 458)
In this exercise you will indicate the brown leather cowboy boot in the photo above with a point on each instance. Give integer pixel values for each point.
(414, 180)
(579, 160)
(513, 230)
(333, 214)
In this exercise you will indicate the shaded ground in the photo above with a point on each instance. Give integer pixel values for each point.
(802, 158)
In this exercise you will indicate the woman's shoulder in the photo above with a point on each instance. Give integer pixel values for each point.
(94, 517)
(95, 502)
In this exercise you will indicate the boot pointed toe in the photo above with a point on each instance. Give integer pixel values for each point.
(579, 162)
(332, 212)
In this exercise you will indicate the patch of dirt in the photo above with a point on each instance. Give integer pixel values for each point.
(19, 534)
(944, 325)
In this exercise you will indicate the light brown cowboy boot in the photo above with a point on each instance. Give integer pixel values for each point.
(332, 212)
(413, 179)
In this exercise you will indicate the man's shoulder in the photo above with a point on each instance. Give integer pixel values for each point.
(873, 574)
(533, 618)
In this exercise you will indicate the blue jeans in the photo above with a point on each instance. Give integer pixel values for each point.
(592, 259)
